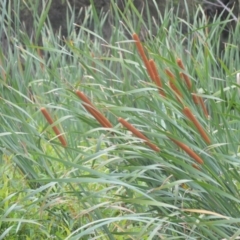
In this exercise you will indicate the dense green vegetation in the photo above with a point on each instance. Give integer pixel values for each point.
(105, 182)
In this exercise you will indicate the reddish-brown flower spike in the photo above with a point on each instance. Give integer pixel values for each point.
(91, 109)
(198, 100)
(143, 55)
(55, 129)
(180, 63)
(187, 80)
(157, 78)
(188, 150)
(136, 132)
(205, 111)
(172, 82)
(188, 113)
(183, 75)
(196, 166)
(195, 98)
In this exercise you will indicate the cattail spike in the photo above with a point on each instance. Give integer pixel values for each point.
(188, 150)
(195, 98)
(187, 80)
(157, 78)
(91, 109)
(137, 133)
(143, 55)
(55, 129)
(188, 113)
(183, 75)
(172, 82)
(205, 111)
(196, 166)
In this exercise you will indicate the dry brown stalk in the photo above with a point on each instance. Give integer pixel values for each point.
(137, 133)
(55, 128)
(40, 54)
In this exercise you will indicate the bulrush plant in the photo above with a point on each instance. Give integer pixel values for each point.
(144, 146)
(152, 71)
(151, 68)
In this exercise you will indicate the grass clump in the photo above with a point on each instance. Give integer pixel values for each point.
(121, 139)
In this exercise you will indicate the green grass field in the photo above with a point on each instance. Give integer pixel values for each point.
(76, 175)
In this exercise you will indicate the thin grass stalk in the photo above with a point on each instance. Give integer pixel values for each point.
(40, 54)
(55, 128)
(137, 133)
(3, 72)
(93, 63)
(91, 109)
(188, 113)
